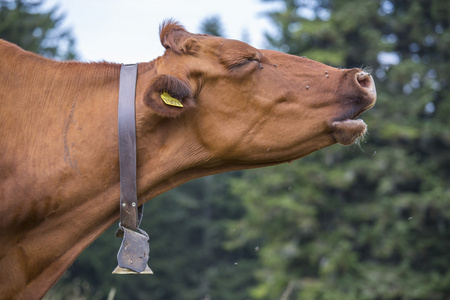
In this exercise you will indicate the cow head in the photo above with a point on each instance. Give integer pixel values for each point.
(255, 107)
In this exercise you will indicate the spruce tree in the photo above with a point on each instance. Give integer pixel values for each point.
(370, 221)
(25, 23)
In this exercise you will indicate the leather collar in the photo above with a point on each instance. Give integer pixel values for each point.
(134, 250)
(129, 216)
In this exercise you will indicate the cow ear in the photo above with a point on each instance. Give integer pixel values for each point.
(169, 96)
(173, 36)
(191, 46)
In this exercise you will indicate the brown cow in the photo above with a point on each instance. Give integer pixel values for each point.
(243, 108)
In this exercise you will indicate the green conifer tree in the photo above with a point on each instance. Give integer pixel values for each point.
(370, 221)
(25, 23)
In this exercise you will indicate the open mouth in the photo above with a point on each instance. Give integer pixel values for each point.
(349, 129)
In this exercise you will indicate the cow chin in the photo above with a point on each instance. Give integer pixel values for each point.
(349, 131)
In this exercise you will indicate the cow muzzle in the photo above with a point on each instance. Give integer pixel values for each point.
(349, 129)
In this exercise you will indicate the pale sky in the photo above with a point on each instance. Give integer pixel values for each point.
(126, 31)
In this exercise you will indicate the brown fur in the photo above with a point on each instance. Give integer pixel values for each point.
(59, 166)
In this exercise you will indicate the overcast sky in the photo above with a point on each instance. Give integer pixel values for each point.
(126, 31)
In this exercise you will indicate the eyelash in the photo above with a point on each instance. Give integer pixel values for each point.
(245, 62)
(242, 62)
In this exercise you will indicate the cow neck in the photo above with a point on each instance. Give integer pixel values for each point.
(133, 253)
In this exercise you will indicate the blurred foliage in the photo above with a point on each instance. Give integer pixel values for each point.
(371, 221)
(213, 26)
(24, 22)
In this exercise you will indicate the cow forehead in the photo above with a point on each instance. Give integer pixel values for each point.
(222, 47)
(229, 52)
(235, 45)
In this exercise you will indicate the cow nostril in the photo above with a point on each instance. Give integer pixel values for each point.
(364, 79)
(366, 82)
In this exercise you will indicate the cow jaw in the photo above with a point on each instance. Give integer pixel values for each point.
(348, 131)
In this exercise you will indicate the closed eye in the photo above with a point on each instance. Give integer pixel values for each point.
(237, 56)
(242, 62)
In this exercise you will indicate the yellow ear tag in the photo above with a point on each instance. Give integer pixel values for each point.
(169, 100)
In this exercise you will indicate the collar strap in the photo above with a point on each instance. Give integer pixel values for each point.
(134, 250)
(129, 216)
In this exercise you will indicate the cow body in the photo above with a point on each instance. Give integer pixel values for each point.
(59, 165)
